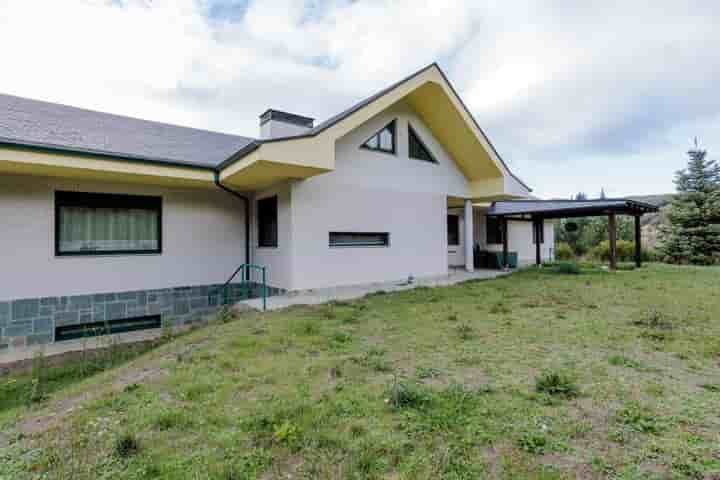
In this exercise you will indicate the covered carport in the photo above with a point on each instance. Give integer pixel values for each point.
(537, 211)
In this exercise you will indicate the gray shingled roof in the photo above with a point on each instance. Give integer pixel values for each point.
(41, 124)
(34, 123)
(562, 208)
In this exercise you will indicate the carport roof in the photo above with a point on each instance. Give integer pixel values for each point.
(569, 208)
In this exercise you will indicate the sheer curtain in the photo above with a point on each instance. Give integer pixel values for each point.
(85, 229)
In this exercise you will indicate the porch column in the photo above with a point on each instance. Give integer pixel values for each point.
(469, 230)
(612, 234)
(506, 259)
(538, 226)
(638, 242)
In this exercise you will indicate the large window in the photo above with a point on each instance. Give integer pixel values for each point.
(359, 239)
(267, 222)
(417, 149)
(494, 231)
(382, 141)
(453, 230)
(106, 224)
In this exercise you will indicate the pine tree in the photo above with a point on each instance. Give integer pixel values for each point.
(693, 235)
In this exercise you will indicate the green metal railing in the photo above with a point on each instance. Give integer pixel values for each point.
(252, 277)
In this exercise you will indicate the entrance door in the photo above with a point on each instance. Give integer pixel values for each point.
(456, 252)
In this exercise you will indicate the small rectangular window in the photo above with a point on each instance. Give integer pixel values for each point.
(359, 239)
(453, 230)
(107, 224)
(267, 222)
(494, 231)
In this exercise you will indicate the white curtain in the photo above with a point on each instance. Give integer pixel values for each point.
(107, 229)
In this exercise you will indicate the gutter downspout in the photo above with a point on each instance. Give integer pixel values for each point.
(247, 215)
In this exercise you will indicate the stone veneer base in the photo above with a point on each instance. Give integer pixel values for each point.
(32, 321)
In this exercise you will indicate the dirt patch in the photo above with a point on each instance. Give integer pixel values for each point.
(35, 425)
(26, 365)
(145, 375)
(41, 424)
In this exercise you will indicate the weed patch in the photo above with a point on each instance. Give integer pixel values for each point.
(126, 445)
(556, 384)
(401, 395)
(623, 361)
(639, 418)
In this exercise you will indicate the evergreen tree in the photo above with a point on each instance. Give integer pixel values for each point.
(693, 235)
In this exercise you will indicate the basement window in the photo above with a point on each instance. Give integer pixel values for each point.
(359, 239)
(107, 224)
(382, 141)
(95, 329)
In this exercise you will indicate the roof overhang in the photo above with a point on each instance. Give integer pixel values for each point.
(554, 209)
(431, 95)
(90, 166)
(266, 162)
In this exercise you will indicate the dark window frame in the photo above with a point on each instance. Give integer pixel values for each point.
(107, 200)
(542, 233)
(272, 243)
(412, 134)
(493, 231)
(385, 244)
(393, 129)
(456, 227)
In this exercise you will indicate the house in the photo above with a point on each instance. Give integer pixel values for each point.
(109, 220)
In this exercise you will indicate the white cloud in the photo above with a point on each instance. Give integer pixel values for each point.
(571, 94)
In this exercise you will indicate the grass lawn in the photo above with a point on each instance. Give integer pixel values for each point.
(536, 375)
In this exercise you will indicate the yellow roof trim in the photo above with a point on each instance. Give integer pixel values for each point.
(41, 163)
(435, 100)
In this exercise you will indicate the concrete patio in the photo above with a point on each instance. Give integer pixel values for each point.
(324, 295)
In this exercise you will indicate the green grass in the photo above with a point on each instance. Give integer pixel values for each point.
(537, 375)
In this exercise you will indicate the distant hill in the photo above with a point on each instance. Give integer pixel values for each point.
(659, 200)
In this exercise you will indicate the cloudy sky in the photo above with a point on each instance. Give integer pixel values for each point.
(576, 96)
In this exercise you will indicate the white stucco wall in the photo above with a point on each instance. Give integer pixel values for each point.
(375, 192)
(276, 260)
(203, 241)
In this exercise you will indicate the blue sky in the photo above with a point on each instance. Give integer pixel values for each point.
(576, 96)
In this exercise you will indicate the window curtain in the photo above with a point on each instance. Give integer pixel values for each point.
(108, 229)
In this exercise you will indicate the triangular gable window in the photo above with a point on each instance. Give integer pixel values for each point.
(382, 141)
(417, 149)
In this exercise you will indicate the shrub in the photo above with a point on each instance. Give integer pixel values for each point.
(564, 252)
(639, 418)
(567, 268)
(625, 252)
(464, 331)
(126, 445)
(623, 361)
(533, 442)
(557, 384)
(654, 318)
(406, 395)
(225, 314)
